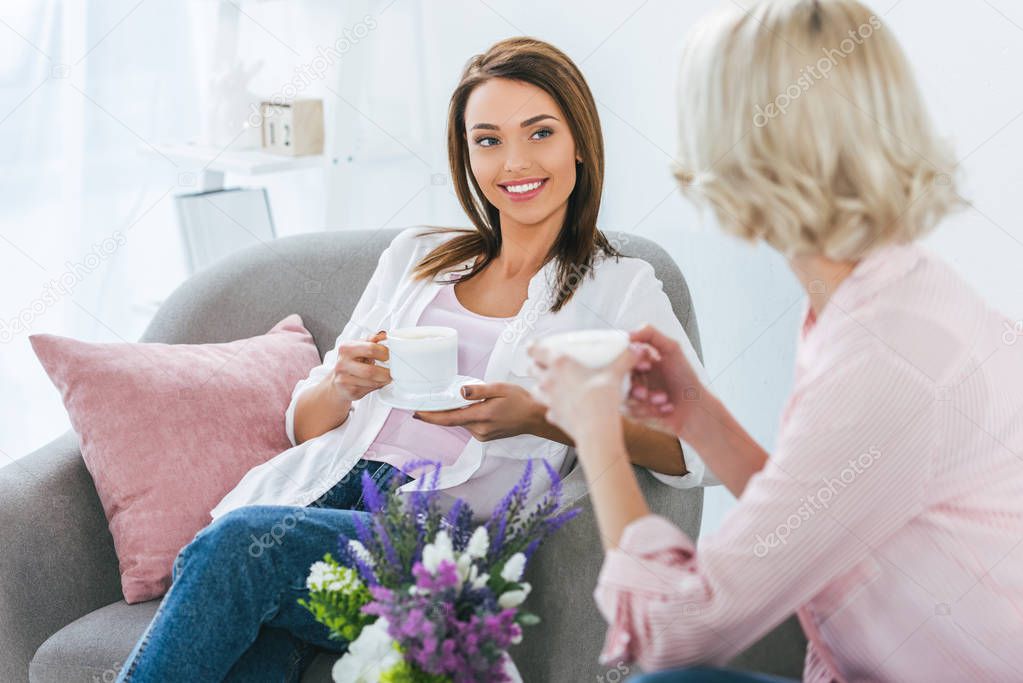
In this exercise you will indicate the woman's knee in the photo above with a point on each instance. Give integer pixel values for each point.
(244, 533)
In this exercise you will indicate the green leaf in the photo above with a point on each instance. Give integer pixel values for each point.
(527, 619)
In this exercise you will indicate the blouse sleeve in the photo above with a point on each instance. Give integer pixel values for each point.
(390, 268)
(849, 470)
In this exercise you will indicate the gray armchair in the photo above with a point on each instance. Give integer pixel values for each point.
(62, 616)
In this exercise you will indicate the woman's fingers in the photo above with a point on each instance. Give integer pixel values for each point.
(645, 352)
(366, 371)
(354, 382)
(377, 352)
(645, 414)
(540, 354)
(638, 407)
(357, 350)
(654, 338)
(624, 363)
(458, 417)
(653, 381)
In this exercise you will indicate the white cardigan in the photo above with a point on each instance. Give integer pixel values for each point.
(623, 294)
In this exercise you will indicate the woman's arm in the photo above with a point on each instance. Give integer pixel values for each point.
(510, 410)
(616, 495)
(354, 374)
(614, 491)
(644, 302)
(724, 442)
(668, 391)
(319, 410)
(849, 472)
(646, 446)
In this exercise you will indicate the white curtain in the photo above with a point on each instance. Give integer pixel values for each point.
(89, 92)
(88, 239)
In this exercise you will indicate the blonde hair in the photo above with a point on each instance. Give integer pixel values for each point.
(801, 124)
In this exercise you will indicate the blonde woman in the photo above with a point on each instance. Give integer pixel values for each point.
(890, 514)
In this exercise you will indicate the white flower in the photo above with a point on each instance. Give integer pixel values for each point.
(513, 568)
(360, 551)
(510, 670)
(480, 581)
(319, 574)
(479, 543)
(368, 657)
(438, 551)
(465, 568)
(514, 598)
(511, 599)
(477, 580)
(324, 577)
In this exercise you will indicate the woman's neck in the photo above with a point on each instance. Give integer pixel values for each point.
(524, 248)
(820, 277)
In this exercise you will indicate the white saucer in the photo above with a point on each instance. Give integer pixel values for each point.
(449, 399)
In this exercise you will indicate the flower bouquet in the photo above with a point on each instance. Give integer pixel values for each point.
(423, 595)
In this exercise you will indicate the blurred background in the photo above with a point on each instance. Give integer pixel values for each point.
(110, 111)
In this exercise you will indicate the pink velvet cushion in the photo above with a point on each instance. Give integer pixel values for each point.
(168, 429)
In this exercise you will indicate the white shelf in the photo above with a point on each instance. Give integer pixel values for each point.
(244, 161)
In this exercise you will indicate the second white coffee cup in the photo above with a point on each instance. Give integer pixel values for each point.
(595, 348)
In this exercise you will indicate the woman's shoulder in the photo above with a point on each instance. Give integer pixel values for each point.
(612, 283)
(411, 245)
(622, 269)
(422, 238)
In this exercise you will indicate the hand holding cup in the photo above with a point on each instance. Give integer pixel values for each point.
(356, 372)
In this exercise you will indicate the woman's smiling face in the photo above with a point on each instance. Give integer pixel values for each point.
(521, 150)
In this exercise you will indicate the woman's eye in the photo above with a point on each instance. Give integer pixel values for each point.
(487, 141)
(542, 133)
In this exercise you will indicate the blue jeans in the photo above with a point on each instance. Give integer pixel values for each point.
(232, 610)
(703, 674)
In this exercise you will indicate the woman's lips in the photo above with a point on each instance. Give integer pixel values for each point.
(523, 190)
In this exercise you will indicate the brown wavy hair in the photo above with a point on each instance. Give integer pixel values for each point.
(540, 64)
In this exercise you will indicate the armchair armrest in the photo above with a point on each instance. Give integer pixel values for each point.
(563, 573)
(57, 560)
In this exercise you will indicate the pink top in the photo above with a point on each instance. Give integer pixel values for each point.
(890, 515)
(403, 439)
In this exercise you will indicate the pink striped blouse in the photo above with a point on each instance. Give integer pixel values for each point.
(890, 516)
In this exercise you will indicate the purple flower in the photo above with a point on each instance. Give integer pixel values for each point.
(374, 502)
(446, 626)
(509, 507)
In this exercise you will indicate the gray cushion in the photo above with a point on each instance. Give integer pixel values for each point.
(57, 558)
(94, 647)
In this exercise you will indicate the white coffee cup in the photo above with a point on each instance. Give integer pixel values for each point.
(423, 360)
(593, 348)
